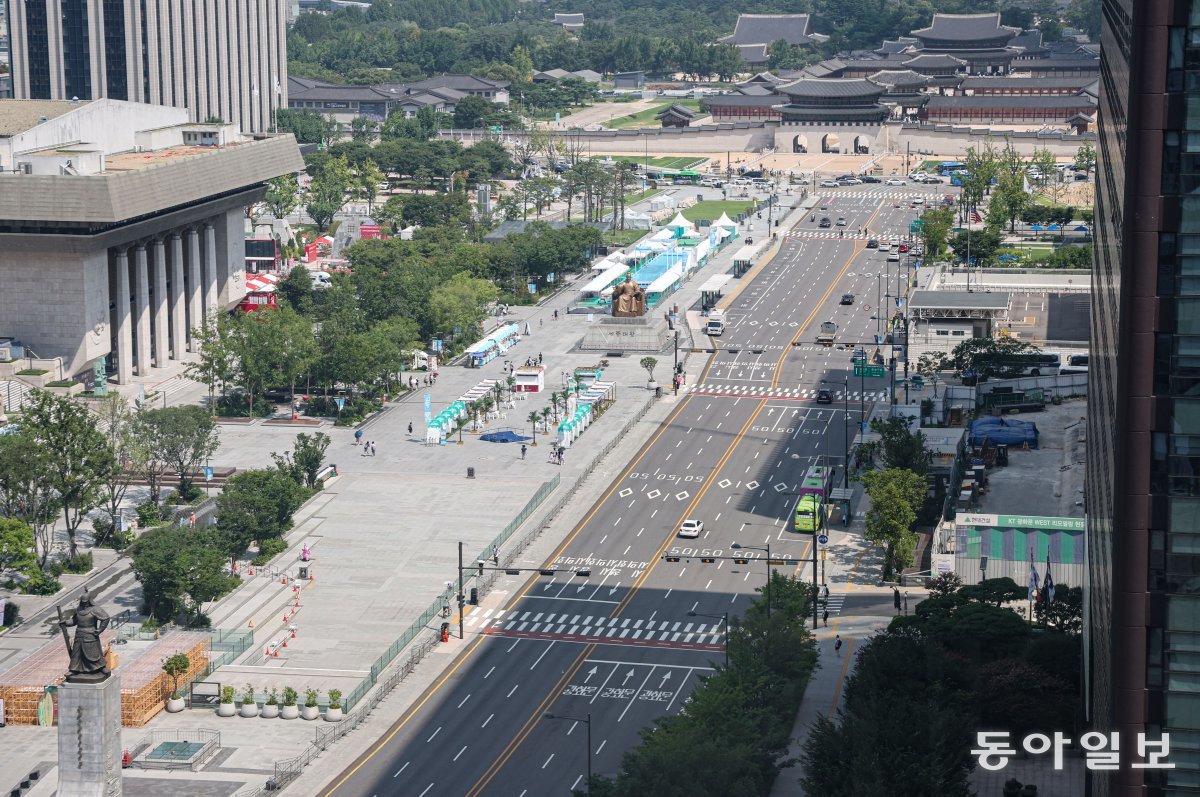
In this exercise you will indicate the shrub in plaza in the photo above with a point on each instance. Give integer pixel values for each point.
(732, 739)
(18, 553)
(268, 550)
(305, 460)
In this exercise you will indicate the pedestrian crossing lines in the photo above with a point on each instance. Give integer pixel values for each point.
(896, 194)
(573, 627)
(833, 604)
(786, 393)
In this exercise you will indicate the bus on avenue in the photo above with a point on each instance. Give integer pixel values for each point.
(818, 481)
(810, 514)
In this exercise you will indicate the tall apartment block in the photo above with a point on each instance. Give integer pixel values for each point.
(1142, 644)
(217, 58)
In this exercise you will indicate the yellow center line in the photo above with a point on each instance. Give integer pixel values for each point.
(412, 712)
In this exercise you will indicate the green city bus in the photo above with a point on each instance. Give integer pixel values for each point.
(810, 514)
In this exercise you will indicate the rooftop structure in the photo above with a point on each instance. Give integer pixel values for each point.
(978, 39)
(754, 33)
(127, 219)
(833, 100)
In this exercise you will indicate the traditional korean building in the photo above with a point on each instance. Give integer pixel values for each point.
(906, 90)
(978, 39)
(831, 104)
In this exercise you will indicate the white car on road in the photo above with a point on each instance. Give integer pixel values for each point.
(893, 181)
(691, 528)
(829, 184)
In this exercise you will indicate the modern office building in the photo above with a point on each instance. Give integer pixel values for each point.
(122, 229)
(223, 59)
(1142, 606)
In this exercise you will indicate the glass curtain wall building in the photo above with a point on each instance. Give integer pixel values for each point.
(1142, 655)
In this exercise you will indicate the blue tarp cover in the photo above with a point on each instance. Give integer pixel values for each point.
(1003, 431)
(503, 437)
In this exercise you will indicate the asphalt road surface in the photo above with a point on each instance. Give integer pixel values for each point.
(618, 645)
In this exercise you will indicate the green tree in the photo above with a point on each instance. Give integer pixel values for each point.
(367, 179)
(472, 111)
(976, 246)
(297, 349)
(938, 222)
(994, 591)
(986, 357)
(27, 490)
(896, 496)
(362, 129)
(297, 291)
(181, 438)
(116, 417)
(307, 126)
(79, 455)
(18, 551)
(460, 302)
(257, 345)
(1085, 157)
(305, 460)
(180, 569)
(283, 195)
(256, 505)
(327, 192)
(899, 446)
(216, 366)
(1064, 613)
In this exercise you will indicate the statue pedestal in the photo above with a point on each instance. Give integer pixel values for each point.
(89, 739)
(645, 334)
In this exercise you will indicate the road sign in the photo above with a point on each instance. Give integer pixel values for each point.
(917, 226)
(873, 371)
(823, 539)
(341, 402)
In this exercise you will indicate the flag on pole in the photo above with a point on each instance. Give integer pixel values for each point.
(1033, 581)
(1048, 585)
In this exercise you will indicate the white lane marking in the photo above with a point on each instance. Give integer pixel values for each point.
(464, 700)
(435, 733)
(401, 769)
(427, 788)
(548, 760)
(460, 752)
(539, 658)
(510, 694)
(489, 672)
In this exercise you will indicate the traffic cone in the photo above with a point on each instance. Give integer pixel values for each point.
(285, 642)
(285, 618)
(251, 569)
(283, 579)
(293, 633)
(277, 653)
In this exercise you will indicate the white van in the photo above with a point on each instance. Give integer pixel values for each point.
(320, 279)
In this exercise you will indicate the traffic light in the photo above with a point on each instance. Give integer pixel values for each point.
(741, 561)
(672, 558)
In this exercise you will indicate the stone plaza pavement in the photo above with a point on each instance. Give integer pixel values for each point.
(384, 539)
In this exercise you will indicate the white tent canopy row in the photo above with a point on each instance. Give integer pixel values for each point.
(606, 279)
(668, 278)
(725, 222)
(702, 249)
(679, 222)
(664, 234)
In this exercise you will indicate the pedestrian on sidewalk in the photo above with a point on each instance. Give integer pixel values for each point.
(410, 428)
(837, 645)
(372, 448)
(896, 598)
(826, 616)
(445, 608)
(825, 591)
(906, 601)
(539, 358)
(523, 451)
(357, 436)
(555, 315)
(539, 322)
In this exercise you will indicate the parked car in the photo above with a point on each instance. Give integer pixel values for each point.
(829, 184)
(893, 181)
(691, 528)
(869, 179)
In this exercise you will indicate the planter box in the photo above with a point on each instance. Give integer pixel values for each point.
(226, 710)
(333, 715)
(289, 712)
(310, 712)
(175, 705)
(270, 712)
(248, 710)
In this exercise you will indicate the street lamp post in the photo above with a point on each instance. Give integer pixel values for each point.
(586, 721)
(724, 618)
(767, 549)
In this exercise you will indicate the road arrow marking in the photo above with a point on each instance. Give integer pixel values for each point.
(591, 672)
(628, 675)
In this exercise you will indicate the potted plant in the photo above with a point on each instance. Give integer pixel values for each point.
(310, 710)
(334, 712)
(174, 667)
(648, 363)
(270, 709)
(289, 710)
(226, 708)
(249, 706)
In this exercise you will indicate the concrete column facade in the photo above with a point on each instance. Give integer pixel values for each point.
(178, 300)
(210, 268)
(123, 321)
(195, 289)
(141, 279)
(161, 320)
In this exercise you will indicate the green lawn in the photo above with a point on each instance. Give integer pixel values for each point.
(684, 162)
(638, 196)
(623, 237)
(646, 118)
(712, 210)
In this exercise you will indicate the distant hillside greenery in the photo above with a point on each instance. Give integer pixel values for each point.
(398, 40)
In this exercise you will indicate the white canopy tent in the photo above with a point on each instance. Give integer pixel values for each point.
(668, 278)
(725, 222)
(605, 279)
(679, 222)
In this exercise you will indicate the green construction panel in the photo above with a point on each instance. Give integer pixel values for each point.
(973, 544)
(997, 542)
(1068, 548)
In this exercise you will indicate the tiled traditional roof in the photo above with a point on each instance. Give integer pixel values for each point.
(766, 28)
(832, 87)
(1066, 101)
(900, 78)
(966, 28)
(934, 61)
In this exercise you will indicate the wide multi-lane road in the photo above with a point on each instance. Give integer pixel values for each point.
(619, 645)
